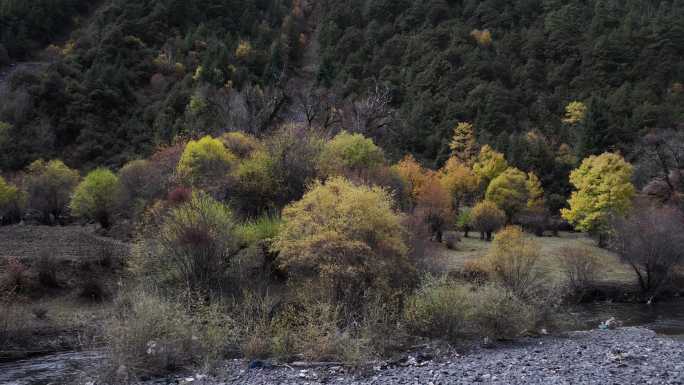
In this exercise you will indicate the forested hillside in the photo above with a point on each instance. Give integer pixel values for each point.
(136, 75)
(26, 26)
(140, 74)
(512, 66)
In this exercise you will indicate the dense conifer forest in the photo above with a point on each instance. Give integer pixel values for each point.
(134, 75)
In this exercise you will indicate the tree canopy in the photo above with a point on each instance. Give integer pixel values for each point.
(603, 188)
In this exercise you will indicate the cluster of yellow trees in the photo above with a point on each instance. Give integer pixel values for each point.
(261, 176)
(472, 176)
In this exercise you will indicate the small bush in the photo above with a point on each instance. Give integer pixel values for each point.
(452, 239)
(440, 308)
(12, 202)
(651, 241)
(46, 267)
(97, 197)
(256, 184)
(179, 195)
(189, 246)
(49, 186)
(475, 270)
(255, 320)
(204, 162)
(15, 278)
(487, 218)
(499, 314)
(149, 336)
(350, 153)
(513, 262)
(580, 267)
(240, 144)
(141, 182)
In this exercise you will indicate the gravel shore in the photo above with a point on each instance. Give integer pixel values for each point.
(622, 356)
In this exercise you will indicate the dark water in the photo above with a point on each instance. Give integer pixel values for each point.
(665, 318)
(56, 369)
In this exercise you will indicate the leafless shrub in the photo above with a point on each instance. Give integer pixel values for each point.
(580, 267)
(15, 277)
(652, 242)
(46, 268)
(451, 239)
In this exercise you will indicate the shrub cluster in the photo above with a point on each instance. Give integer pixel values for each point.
(453, 310)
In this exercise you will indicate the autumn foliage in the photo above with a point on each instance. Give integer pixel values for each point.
(347, 237)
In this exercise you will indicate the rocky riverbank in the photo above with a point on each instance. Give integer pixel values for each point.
(622, 356)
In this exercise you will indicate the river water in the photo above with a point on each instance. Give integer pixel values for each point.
(665, 318)
(56, 369)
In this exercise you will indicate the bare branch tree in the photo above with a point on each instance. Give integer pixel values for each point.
(651, 241)
(372, 113)
(661, 163)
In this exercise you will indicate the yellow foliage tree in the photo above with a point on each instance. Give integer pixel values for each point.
(535, 192)
(97, 197)
(204, 160)
(49, 186)
(435, 206)
(489, 164)
(486, 218)
(256, 184)
(575, 112)
(347, 237)
(11, 202)
(509, 191)
(350, 153)
(243, 50)
(413, 175)
(459, 180)
(482, 37)
(603, 188)
(463, 145)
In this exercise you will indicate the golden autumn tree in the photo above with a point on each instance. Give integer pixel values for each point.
(489, 164)
(350, 153)
(575, 112)
(603, 188)
(49, 186)
(487, 218)
(97, 197)
(412, 174)
(204, 160)
(347, 238)
(459, 180)
(435, 206)
(509, 191)
(463, 145)
(12, 201)
(535, 192)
